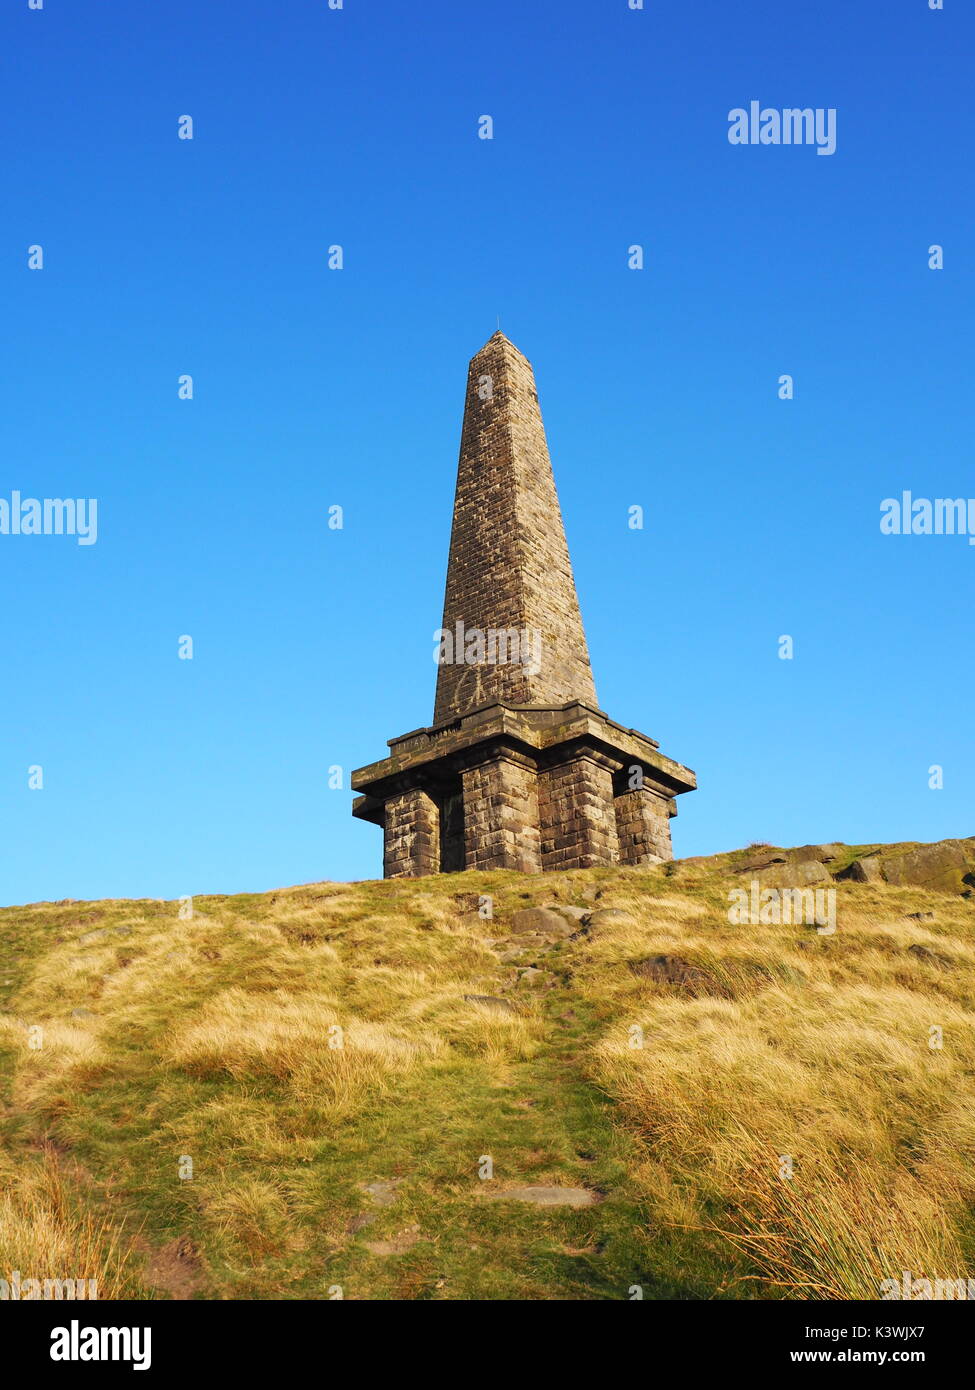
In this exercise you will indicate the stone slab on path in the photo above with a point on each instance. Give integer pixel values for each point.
(546, 1196)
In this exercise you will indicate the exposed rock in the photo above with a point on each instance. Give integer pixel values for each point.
(526, 941)
(575, 914)
(800, 874)
(674, 970)
(515, 954)
(382, 1193)
(533, 976)
(866, 870)
(541, 919)
(82, 1013)
(945, 867)
(941, 866)
(606, 916)
(933, 957)
(468, 903)
(759, 857)
(546, 1196)
(397, 1245)
(824, 853)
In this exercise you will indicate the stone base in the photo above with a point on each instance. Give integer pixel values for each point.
(411, 835)
(529, 789)
(643, 825)
(578, 823)
(501, 813)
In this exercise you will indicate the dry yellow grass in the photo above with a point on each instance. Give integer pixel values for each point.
(301, 1043)
(47, 1233)
(815, 1059)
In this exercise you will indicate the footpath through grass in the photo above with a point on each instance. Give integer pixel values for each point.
(294, 1095)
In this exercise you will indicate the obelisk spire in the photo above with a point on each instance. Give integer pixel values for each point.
(509, 568)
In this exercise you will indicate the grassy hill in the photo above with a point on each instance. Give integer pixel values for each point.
(294, 1093)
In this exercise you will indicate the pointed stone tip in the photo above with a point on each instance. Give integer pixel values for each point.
(496, 338)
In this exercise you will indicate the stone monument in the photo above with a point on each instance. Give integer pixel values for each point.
(520, 769)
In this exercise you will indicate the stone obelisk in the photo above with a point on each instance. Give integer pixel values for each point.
(520, 768)
(509, 562)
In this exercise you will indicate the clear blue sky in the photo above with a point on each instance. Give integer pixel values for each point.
(315, 387)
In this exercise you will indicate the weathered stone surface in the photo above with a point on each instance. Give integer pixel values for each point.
(798, 875)
(412, 835)
(643, 827)
(824, 853)
(575, 807)
(757, 857)
(509, 563)
(501, 814)
(941, 866)
(533, 940)
(866, 870)
(948, 866)
(607, 916)
(666, 969)
(546, 1196)
(381, 1193)
(680, 976)
(396, 1245)
(545, 920)
(937, 958)
(531, 975)
(574, 914)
